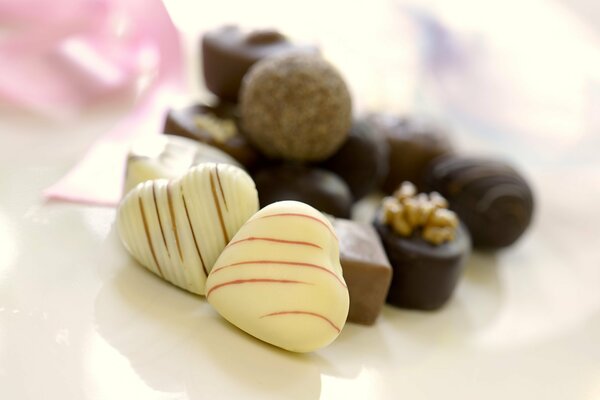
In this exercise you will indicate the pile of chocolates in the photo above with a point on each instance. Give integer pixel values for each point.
(281, 136)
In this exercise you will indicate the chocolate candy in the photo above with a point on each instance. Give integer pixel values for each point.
(213, 125)
(414, 142)
(228, 52)
(363, 159)
(295, 107)
(280, 278)
(367, 271)
(427, 247)
(168, 157)
(317, 187)
(492, 198)
(178, 228)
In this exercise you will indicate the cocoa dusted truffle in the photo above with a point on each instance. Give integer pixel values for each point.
(295, 107)
(492, 198)
(427, 247)
(319, 188)
(414, 141)
(229, 51)
(362, 161)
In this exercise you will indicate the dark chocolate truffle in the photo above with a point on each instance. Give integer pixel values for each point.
(493, 200)
(362, 161)
(295, 107)
(427, 247)
(319, 188)
(228, 52)
(414, 142)
(213, 125)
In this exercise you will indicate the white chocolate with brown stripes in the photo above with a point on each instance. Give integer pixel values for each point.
(280, 278)
(178, 228)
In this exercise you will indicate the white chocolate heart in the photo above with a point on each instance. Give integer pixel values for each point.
(178, 228)
(168, 157)
(280, 279)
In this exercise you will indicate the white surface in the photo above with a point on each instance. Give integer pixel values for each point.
(80, 320)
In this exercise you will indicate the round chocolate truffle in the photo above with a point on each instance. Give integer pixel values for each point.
(319, 188)
(492, 198)
(414, 142)
(362, 161)
(295, 107)
(427, 247)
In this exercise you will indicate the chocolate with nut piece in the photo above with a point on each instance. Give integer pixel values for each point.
(213, 125)
(427, 247)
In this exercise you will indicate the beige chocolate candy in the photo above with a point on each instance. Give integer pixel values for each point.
(280, 278)
(178, 228)
(168, 157)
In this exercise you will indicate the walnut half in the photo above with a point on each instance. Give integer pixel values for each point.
(408, 212)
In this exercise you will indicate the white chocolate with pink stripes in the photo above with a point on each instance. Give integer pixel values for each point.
(178, 228)
(280, 279)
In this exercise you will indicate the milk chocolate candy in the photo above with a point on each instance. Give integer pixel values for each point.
(367, 271)
(214, 125)
(493, 199)
(427, 247)
(363, 159)
(316, 187)
(229, 51)
(168, 157)
(413, 143)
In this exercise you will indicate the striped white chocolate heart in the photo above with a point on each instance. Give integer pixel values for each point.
(178, 228)
(280, 279)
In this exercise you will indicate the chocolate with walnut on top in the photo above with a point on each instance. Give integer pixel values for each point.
(214, 125)
(426, 245)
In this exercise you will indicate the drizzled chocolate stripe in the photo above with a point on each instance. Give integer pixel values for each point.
(193, 233)
(302, 216)
(257, 280)
(162, 232)
(173, 221)
(221, 188)
(313, 314)
(147, 231)
(218, 205)
(289, 263)
(274, 240)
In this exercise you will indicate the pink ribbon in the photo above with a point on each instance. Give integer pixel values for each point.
(75, 52)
